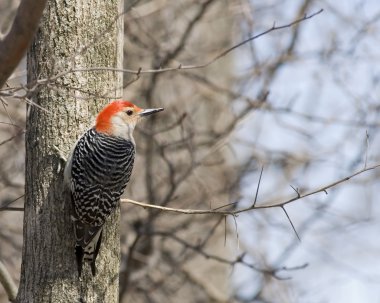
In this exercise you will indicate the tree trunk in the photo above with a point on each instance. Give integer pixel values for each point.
(72, 34)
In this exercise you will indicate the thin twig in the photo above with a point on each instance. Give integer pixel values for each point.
(13, 137)
(258, 187)
(291, 223)
(11, 208)
(366, 148)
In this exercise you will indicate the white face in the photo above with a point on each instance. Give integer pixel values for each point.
(124, 122)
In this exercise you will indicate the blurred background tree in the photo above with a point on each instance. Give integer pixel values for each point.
(299, 102)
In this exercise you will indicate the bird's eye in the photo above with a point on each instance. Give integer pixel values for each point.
(129, 112)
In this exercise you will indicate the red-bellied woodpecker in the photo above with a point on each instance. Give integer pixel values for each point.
(97, 172)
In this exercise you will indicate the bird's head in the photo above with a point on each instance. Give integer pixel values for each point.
(119, 118)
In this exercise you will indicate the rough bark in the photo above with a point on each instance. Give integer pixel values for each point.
(73, 34)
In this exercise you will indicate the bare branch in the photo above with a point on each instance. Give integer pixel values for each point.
(235, 212)
(180, 66)
(7, 282)
(239, 259)
(16, 42)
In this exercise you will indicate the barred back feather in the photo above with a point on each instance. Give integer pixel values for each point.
(100, 168)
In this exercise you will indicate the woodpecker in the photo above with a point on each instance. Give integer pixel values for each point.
(97, 172)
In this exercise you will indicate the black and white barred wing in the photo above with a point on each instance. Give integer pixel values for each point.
(101, 168)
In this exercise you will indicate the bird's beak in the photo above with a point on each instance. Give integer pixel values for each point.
(147, 112)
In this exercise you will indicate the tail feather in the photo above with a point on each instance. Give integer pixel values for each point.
(95, 254)
(88, 241)
(79, 254)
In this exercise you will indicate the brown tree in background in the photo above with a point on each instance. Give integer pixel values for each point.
(230, 108)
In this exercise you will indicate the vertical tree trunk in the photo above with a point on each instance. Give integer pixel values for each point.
(72, 34)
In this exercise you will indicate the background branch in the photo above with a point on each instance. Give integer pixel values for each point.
(16, 42)
(7, 282)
